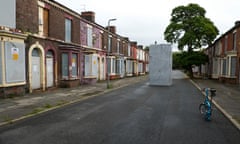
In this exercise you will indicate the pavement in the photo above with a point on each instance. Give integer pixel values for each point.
(227, 98)
(19, 108)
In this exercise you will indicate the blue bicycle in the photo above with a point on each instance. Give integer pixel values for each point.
(205, 108)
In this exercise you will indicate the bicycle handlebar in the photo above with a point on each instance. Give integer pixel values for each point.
(212, 91)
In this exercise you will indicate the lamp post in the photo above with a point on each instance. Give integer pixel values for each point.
(108, 50)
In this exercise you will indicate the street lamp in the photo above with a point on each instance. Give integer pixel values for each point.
(108, 50)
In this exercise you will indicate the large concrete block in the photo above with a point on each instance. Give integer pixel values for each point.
(160, 64)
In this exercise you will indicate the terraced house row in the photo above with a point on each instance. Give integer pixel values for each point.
(224, 57)
(44, 45)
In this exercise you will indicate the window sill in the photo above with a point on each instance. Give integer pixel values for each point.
(90, 77)
(231, 77)
(68, 79)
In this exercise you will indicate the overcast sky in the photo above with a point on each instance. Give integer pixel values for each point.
(145, 21)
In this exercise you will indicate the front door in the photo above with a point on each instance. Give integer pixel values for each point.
(35, 69)
(50, 71)
(99, 69)
(102, 69)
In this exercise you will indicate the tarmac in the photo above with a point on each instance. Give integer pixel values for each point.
(29, 105)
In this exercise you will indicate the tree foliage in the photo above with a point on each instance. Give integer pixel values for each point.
(176, 60)
(190, 28)
(185, 60)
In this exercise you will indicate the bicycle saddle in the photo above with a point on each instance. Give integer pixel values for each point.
(213, 91)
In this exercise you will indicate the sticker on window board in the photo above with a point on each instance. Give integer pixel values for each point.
(73, 62)
(15, 53)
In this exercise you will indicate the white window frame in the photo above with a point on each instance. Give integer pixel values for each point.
(228, 67)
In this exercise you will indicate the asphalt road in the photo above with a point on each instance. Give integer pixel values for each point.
(138, 114)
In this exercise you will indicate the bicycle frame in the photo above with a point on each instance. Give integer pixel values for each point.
(206, 107)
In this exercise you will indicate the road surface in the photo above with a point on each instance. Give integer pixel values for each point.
(137, 114)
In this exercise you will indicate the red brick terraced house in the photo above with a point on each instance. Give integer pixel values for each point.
(224, 57)
(45, 45)
(53, 50)
(92, 42)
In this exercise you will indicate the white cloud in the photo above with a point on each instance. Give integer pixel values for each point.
(145, 21)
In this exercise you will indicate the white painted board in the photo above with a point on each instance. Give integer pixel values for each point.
(160, 65)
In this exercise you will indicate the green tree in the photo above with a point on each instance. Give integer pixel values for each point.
(188, 59)
(189, 28)
(185, 60)
(176, 60)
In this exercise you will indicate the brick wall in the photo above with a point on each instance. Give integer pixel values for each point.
(27, 20)
(27, 15)
(114, 44)
(57, 25)
(12, 91)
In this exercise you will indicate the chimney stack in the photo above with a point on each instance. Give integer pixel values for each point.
(237, 23)
(112, 29)
(140, 46)
(88, 15)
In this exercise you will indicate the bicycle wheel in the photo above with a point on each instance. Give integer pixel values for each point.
(202, 109)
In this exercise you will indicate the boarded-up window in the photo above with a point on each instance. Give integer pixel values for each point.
(233, 66)
(113, 65)
(118, 46)
(94, 65)
(109, 44)
(140, 67)
(129, 66)
(225, 44)
(235, 41)
(74, 65)
(8, 13)
(65, 72)
(224, 67)
(122, 66)
(109, 65)
(1, 66)
(43, 21)
(91, 66)
(118, 66)
(87, 65)
(15, 62)
(89, 37)
(129, 50)
(68, 30)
